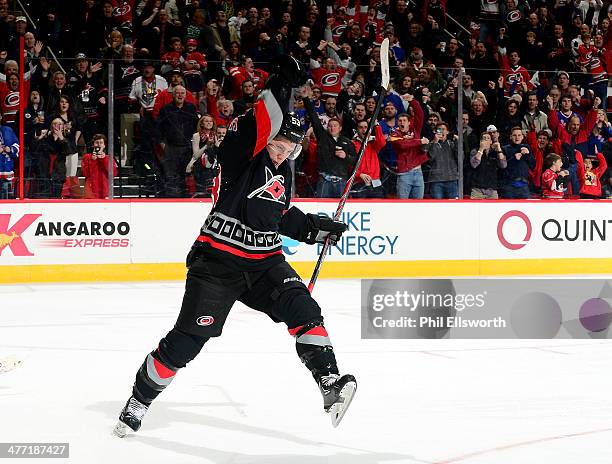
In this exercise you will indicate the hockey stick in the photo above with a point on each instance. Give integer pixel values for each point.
(384, 68)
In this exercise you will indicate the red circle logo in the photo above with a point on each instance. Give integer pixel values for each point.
(205, 320)
(500, 229)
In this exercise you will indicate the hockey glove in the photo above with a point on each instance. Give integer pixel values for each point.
(321, 227)
(290, 69)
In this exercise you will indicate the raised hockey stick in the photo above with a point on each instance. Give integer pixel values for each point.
(384, 69)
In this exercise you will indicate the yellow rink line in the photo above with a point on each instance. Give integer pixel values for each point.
(331, 269)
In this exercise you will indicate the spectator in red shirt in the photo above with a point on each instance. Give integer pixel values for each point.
(194, 68)
(540, 147)
(246, 71)
(367, 178)
(94, 167)
(590, 176)
(554, 180)
(407, 143)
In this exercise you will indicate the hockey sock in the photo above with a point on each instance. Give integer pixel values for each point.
(315, 349)
(175, 350)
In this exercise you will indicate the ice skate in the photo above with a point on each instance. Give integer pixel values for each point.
(338, 392)
(130, 417)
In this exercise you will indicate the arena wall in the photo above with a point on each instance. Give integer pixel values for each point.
(48, 241)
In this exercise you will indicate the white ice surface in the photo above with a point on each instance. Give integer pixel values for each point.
(248, 399)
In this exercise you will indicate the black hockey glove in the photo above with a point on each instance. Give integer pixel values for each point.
(290, 69)
(320, 227)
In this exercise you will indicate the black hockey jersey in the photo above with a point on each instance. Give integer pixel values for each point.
(250, 195)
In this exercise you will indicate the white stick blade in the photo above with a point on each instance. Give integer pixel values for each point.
(384, 62)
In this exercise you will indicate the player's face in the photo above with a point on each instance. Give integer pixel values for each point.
(279, 150)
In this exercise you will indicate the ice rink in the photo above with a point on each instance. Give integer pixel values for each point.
(248, 399)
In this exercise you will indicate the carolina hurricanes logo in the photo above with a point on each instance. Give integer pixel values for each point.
(129, 71)
(338, 30)
(516, 77)
(122, 10)
(330, 79)
(205, 320)
(514, 16)
(272, 190)
(11, 99)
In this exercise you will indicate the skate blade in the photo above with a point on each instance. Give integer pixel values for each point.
(121, 430)
(9, 363)
(338, 410)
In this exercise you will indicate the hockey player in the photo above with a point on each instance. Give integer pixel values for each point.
(238, 254)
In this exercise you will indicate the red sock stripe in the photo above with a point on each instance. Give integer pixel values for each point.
(295, 330)
(318, 330)
(162, 370)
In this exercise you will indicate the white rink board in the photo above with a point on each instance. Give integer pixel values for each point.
(162, 232)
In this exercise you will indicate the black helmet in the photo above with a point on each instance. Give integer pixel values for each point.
(291, 129)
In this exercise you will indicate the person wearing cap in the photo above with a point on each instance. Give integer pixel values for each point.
(194, 69)
(238, 255)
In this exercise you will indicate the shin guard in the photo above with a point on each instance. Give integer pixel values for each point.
(315, 349)
(152, 378)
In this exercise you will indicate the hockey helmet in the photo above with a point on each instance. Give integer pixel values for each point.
(291, 129)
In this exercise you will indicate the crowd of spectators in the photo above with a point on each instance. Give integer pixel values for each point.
(532, 78)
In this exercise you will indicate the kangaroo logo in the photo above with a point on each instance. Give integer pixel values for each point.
(11, 236)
